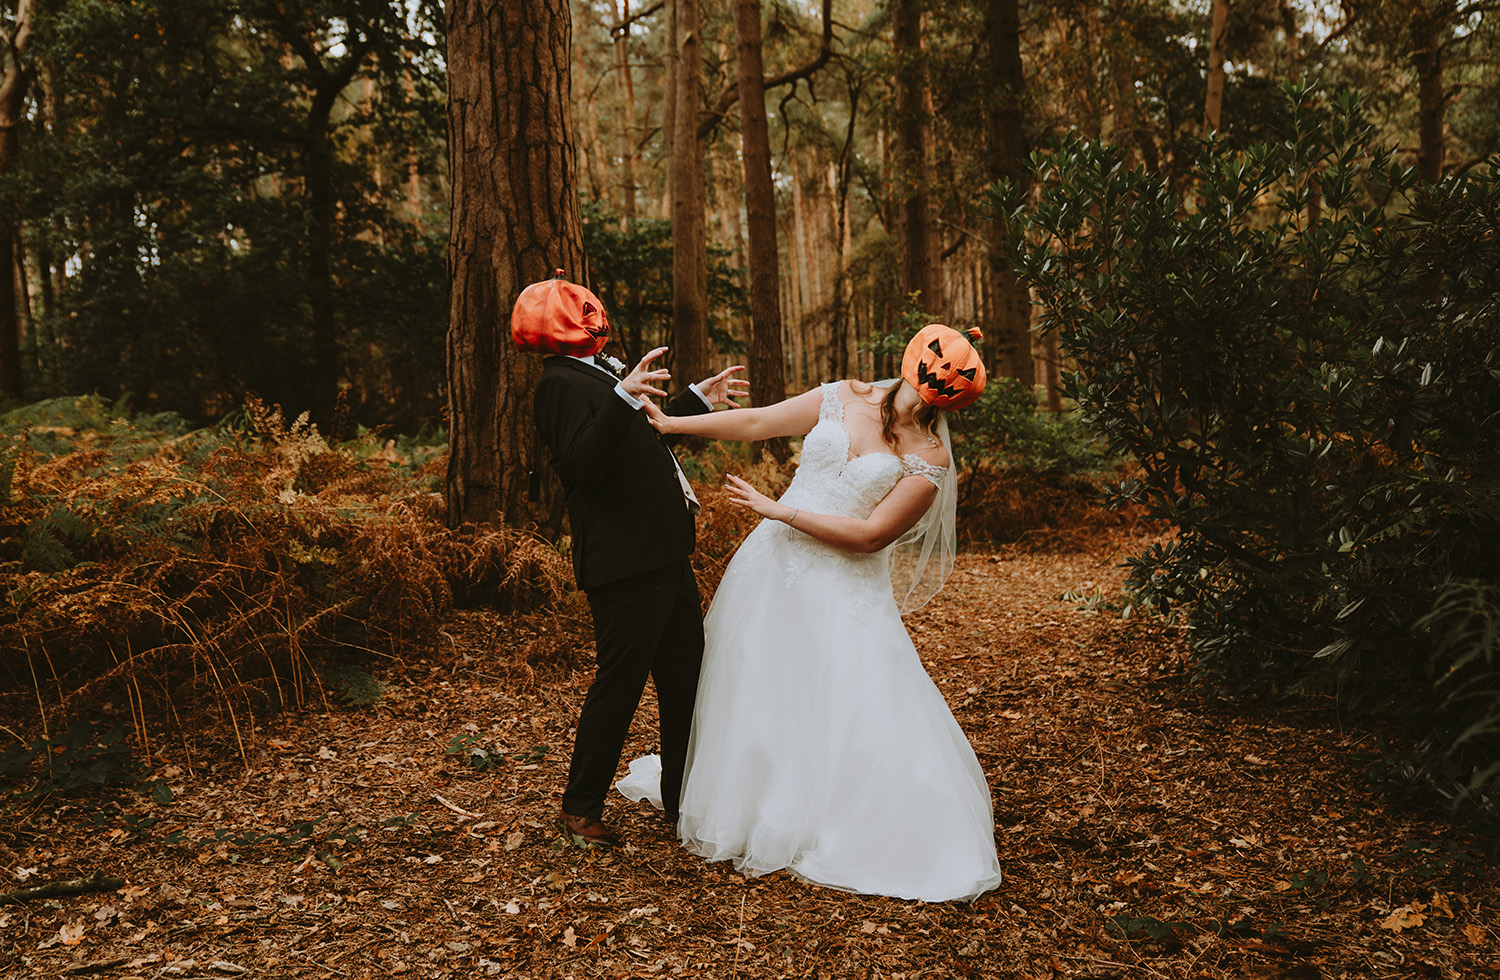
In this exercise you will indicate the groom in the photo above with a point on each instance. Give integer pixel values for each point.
(630, 510)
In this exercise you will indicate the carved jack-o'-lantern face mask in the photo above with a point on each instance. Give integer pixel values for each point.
(943, 366)
(559, 317)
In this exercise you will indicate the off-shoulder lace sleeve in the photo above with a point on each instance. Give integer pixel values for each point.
(916, 465)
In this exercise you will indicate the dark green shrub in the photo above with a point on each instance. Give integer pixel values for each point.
(1302, 356)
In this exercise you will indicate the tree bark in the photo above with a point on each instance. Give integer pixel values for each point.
(1432, 102)
(1009, 348)
(767, 365)
(1213, 103)
(920, 264)
(669, 108)
(625, 88)
(12, 104)
(513, 170)
(689, 356)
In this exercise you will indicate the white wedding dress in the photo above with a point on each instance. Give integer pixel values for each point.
(819, 743)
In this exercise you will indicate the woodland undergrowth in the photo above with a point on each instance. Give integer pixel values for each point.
(193, 583)
(201, 578)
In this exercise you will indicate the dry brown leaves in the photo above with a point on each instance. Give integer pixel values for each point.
(1145, 831)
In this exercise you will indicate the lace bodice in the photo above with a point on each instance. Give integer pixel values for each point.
(829, 481)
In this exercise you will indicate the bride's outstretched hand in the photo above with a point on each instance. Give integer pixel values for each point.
(660, 420)
(745, 495)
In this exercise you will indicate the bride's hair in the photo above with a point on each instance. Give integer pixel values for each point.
(926, 416)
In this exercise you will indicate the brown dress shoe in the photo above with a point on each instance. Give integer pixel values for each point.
(591, 829)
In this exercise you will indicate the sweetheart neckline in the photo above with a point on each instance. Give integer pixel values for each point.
(848, 441)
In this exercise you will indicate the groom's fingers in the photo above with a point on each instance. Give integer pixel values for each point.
(651, 355)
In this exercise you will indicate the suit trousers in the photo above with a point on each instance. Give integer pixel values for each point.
(647, 624)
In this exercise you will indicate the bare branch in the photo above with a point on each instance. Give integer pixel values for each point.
(615, 30)
(730, 95)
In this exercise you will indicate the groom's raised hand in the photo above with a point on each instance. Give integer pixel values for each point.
(723, 388)
(643, 380)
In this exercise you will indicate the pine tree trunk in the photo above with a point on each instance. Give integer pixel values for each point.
(12, 105)
(515, 219)
(1213, 103)
(625, 88)
(322, 203)
(767, 365)
(1009, 346)
(920, 265)
(689, 357)
(1427, 58)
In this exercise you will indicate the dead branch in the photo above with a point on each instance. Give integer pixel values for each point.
(96, 882)
(615, 30)
(731, 93)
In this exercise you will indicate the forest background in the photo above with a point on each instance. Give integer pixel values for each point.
(1236, 264)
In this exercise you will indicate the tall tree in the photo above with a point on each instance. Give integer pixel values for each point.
(625, 88)
(1213, 102)
(689, 207)
(1010, 343)
(515, 217)
(767, 365)
(326, 75)
(921, 268)
(13, 84)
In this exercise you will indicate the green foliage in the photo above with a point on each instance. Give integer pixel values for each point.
(86, 759)
(1005, 427)
(476, 754)
(354, 685)
(166, 193)
(1127, 926)
(631, 271)
(1311, 400)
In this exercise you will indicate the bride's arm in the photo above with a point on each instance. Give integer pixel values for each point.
(793, 417)
(891, 518)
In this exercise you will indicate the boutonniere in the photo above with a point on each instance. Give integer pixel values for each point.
(617, 368)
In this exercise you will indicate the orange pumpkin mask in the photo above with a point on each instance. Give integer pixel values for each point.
(943, 366)
(559, 317)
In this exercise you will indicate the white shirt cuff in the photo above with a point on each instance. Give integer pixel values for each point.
(630, 399)
(695, 390)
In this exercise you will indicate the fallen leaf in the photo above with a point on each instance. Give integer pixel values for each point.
(1402, 918)
(1476, 934)
(513, 839)
(71, 934)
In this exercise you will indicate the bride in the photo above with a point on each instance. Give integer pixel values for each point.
(819, 743)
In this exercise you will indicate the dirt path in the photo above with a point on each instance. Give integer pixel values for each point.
(1144, 831)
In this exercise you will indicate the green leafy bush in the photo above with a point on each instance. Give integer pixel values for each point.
(1301, 353)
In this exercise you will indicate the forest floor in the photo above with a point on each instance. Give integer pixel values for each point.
(1145, 829)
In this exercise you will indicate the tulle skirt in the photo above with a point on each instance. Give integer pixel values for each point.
(819, 743)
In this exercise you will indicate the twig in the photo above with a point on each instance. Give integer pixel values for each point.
(96, 882)
(456, 809)
(739, 932)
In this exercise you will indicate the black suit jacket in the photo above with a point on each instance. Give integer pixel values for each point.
(625, 505)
